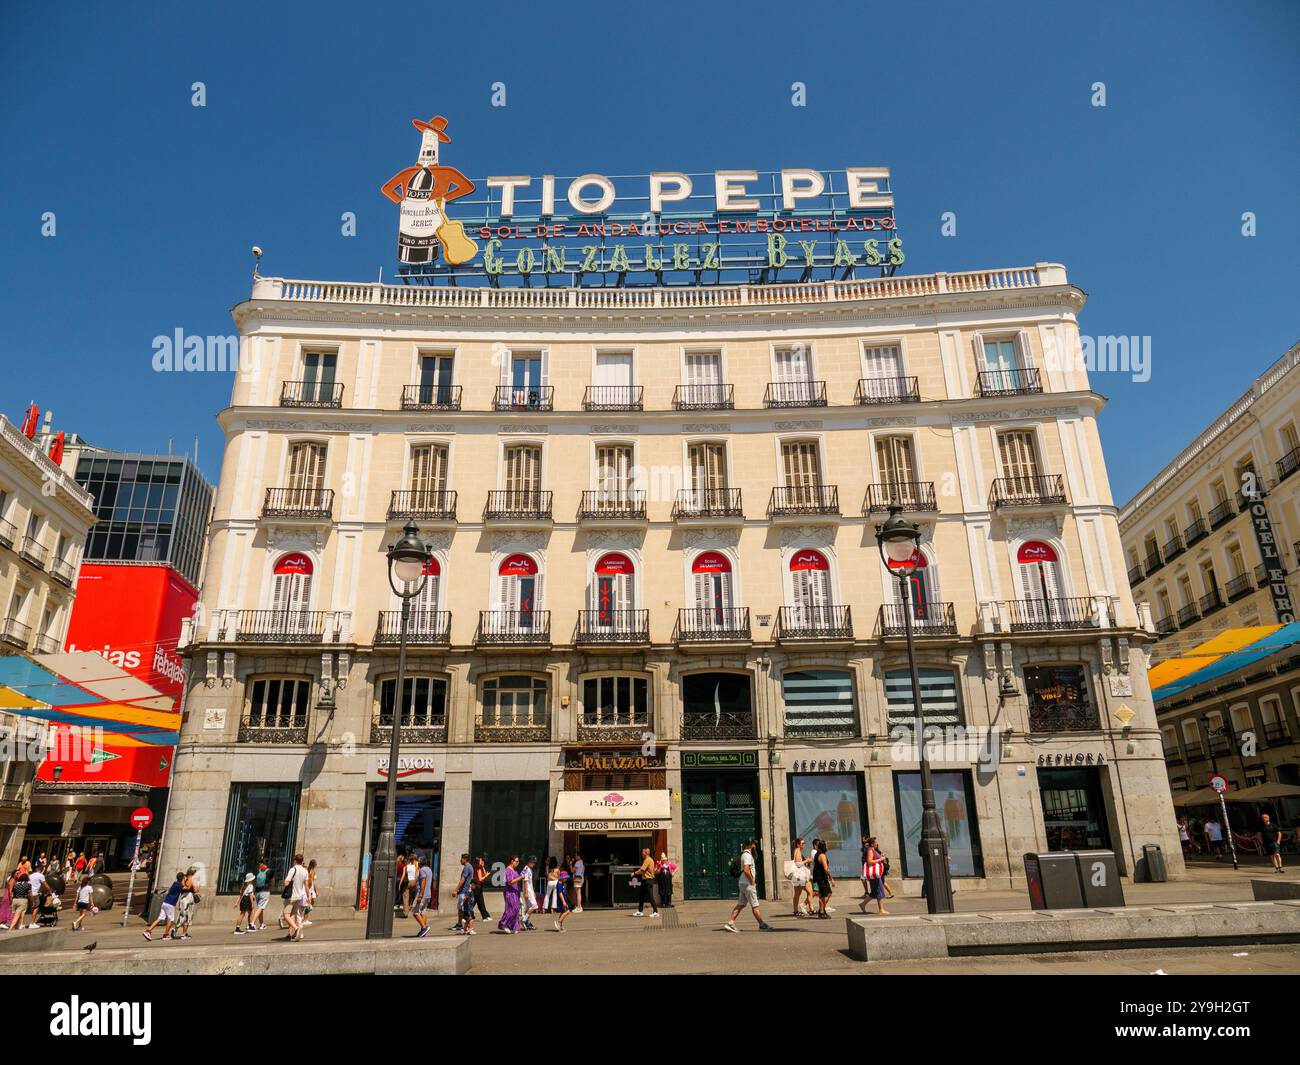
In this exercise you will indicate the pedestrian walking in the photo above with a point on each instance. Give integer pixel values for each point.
(464, 892)
(261, 896)
(84, 906)
(423, 896)
(1214, 838)
(645, 877)
(552, 884)
(528, 899)
(873, 877)
(823, 882)
(19, 897)
(481, 875)
(745, 872)
(167, 912)
(579, 870)
(511, 887)
(311, 894)
(562, 906)
(410, 882)
(185, 907)
(1269, 837)
(245, 907)
(295, 892)
(800, 876)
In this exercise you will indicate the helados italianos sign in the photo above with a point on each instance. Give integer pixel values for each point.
(665, 227)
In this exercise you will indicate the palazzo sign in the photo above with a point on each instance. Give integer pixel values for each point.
(661, 228)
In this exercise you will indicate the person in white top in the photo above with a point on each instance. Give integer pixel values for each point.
(84, 893)
(296, 882)
(410, 884)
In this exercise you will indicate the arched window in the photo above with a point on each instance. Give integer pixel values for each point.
(810, 582)
(291, 584)
(920, 590)
(714, 594)
(519, 589)
(611, 590)
(1039, 570)
(424, 608)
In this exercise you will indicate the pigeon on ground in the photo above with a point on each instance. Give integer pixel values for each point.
(90, 946)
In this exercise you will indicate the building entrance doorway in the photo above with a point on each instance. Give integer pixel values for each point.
(719, 812)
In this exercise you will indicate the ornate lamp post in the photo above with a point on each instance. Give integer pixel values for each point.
(897, 540)
(407, 561)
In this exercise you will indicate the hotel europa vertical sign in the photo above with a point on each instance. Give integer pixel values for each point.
(661, 228)
(1274, 570)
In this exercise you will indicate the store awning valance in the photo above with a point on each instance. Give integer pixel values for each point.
(613, 811)
(1200, 797)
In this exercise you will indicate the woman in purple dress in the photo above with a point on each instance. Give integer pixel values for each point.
(513, 882)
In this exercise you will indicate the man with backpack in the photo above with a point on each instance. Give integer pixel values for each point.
(745, 872)
(261, 897)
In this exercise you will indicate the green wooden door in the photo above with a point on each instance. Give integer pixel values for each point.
(720, 812)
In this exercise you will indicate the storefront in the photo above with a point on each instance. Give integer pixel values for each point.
(720, 811)
(828, 802)
(954, 798)
(261, 826)
(418, 824)
(1074, 807)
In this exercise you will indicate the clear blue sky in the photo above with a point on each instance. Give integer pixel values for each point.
(979, 109)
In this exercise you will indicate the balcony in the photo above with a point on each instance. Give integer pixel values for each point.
(1195, 532)
(1223, 512)
(63, 571)
(915, 497)
(427, 628)
(612, 397)
(274, 726)
(428, 505)
(46, 645)
(424, 726)
(513, 731)
(928, 619)
(1053, 615)
(283, 627)
(514, 628)
(1188, 615)
(873, 390)
(34, 551)
(304, 504)
(311, 394)
(522, 507)
(1173, 548)
(814, 623)
(1010, 382)
(1153, 561)
(8, 534)
(1211, 601)
(712, 625)
(1078, 716)
(1276, 732)
(17, 634)
(800, 502)
(704, 505)
(612, 627)
(710, 724)
(1047, 489)
(795, 394)
(1135, 575)
(704, 397)
(1174, 756)
(609, 727)
(619, 506)
(1166, 625)
(1288, 464)
(1238, 587)
(524, 398)
(431, 397)
(1263, 577)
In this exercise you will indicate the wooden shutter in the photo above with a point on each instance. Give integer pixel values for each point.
(523, 468)
(429, 469)
(802, 464)
(307, 466)
(1019, 455)
(703, 368)
(882, 362)
(613, 472)
(894, 456)
(708, 466)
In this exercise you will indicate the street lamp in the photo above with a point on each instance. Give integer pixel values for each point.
(408, 561)
(898, 540)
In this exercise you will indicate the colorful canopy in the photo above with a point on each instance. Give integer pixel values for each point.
(1226, 653)
(83, 689)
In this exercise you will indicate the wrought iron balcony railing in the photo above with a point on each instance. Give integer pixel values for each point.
(1239, 586)
(608, 727)
(1010, 382)
(1262, 576)
(914, 496)
(1195, 532)
(1153, 561)
(713, 625)
(1173, 548)
(281, 626)
(514, 627)
(8, 534)
(704, 397)
(1276, 732)
(511, 732)
(613, 397)
(1135, 575)
(1222, 512)
(510, 505)
(804, 499)
(710, 724)
(1187, 615)
(431, 397)
(317, 503)
(425, 627)
(311, 394)
(423, 504)
(417, 726)
(1045, 615)
(618, 504)
(928, 619)
(63, 571)
(613, 626)
(1038, 490)
(1064, 717)
(1211, 601)
(814, 622)
(873, 390)
(707, 503)
(1288, 464)
(1166, 625)
(45, 644)
(524, 397)
(15, 632)
(268, 732)
(34, 551)
(795, 394)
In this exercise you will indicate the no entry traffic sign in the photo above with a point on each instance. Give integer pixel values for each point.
(1219, 783)
(141, 818)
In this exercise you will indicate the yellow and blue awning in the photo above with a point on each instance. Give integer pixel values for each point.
(1226, 653)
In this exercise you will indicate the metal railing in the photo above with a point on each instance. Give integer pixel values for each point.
(1239, 586)
(1262, 573)
(613, 626)
(1195, 532)
(1166, 625)
(1064, 717)
(1222, 512)
(311, 394)
(795, 394)
(928, 619)
(627, 728)
(530, 397)
(1211, 601)
(1153, 561)
(425, 627)
(713, 724)
(1275, 732)
(1173, 547)
(618, 504)
(804, 499)
(431, 397)
(534, 732)
(281, 626)
(873, 390)
(298, 503)
(45, 644)
(1043, 615)
(1288, 464)
(423, 726)
(1038, 490)
(914, 496)
(510, 505)
(511, 627)
(423, 504)
(814, 622)
(1135, 575)
(63, 571)
(1187, 615)
(34, 551)
(707, 503)
(712, 625)
(15, 632)
(1010, 382)
(7, 533)
(704, 397)
(612, 397)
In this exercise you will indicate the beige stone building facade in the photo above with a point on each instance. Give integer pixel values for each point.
(656, 614)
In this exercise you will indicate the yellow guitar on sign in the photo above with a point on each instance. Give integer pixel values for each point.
(457, 248)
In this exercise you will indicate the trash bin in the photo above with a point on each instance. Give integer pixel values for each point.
(1053, 881)
(1099, 877)
(1154, 859)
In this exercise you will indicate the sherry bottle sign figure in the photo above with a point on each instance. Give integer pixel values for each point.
(423, 192)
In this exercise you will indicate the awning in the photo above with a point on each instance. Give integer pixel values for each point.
(613, 811)
(1264, 792)
(1201, 797)
(1220, 656)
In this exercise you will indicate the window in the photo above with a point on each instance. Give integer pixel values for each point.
(831, 806)
(810, 584)
(708, 466)
(883, 362)
(714, 703)
(614, 473)
(1018, 453)
(428, 472)
(519, 588)
(802, 471)
(1002, 358)
(1058, 699)
(939, 702)
(424, 701)
(1241, 721)
(616, 700)
(793, 364)
(1236, 563)
(613, 371)
(894, 460)
(514, 701)
(291, 580)
(261, 826)
(436, 379)
(704, 368)
(307, 467)
(277, 703)
(1194, 511)
(1039, 572)
(508, 817)
(523, 468)
(954, 795)
(1170, 739)
(711, 583)
(318, 376)
(819, 702)
(611, 593)
(1191, 736)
